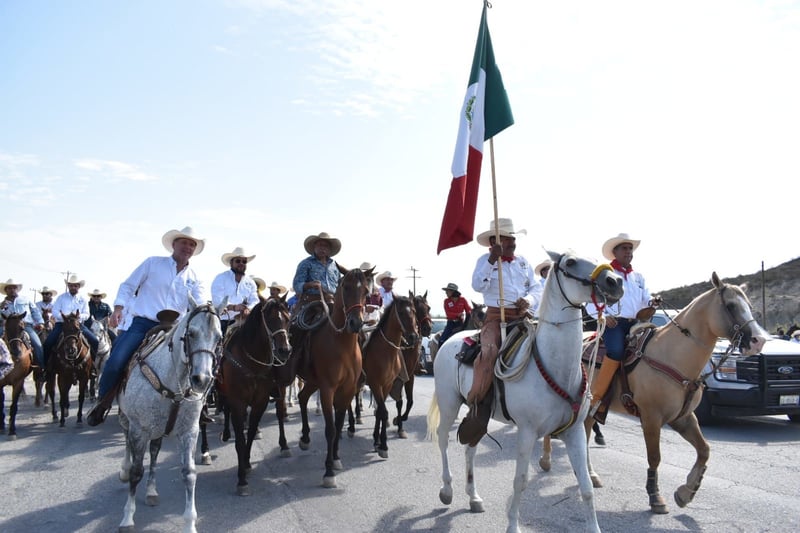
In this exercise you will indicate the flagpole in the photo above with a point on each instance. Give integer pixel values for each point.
(501, 298)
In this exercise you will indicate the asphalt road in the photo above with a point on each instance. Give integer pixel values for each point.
(63, 480)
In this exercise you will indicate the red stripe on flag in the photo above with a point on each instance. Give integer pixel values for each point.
(459, 214)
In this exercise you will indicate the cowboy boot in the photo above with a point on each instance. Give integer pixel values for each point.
(600, 387)
(100, 411)
(475, 425)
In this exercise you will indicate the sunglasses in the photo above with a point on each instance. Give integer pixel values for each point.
(240, 261)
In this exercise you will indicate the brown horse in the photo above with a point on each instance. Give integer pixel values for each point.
(256, 365)
(18, 343)
(332, 364)
(72, 364)
(666, 384)
(422, 311)
(395, 334)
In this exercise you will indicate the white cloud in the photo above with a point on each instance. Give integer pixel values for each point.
(115, 169)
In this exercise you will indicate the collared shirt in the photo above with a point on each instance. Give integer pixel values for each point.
(454, 310)
(155, 285)
(310, 269)
(386, 296)
(636, 297)
(68, 304)
(244, 291)
(99, 311)
(22, 305)
(519, 281)
(42, 305)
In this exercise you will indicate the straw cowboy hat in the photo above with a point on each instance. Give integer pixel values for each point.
(97, 292)
(311, 240)
(613, 242)
(186, 233)
(506, 229)
(366, 265)
(73, 278)
(260, 284)
(11, 282)
(541, 266)
(451, 287)
(275, 285)
(237, 252)
(47, 289)
(383, 275)
(796, 333)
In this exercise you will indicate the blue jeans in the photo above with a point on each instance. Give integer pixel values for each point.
(122, 351)
(52, 339)
(36, 343)
(614, 338)
(448, 330)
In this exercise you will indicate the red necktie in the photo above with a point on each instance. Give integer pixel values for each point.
(507, 258)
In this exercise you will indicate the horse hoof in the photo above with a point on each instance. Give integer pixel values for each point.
(206, 459)
(329, 482)
(359, 420)
(683, 496)
(596, 481)
(126, 529)
(476, 506)
(258, 435)
(286, 453)
(151, 500)
(337, 464)
(402, 434)
(243, 490)
(545, 464)
(123, 476)
(351, 433)
(383, 454)
(304, 445)
(317, 411)
(658, 505)
(446, 497)
(394, 421)
(14, 437)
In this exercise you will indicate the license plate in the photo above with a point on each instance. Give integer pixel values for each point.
(790, 399)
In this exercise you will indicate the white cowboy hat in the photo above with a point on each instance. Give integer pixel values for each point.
(796, 333)
(260, 284)
(237, 252)
(186, 233)
(506, 229)
(311, 240)
(73, 278)
(275, 285)
(366, 265)
(385, 274)
(46, 289)
(613, 242)
(12, 282)
(97, 292)
(541, 266)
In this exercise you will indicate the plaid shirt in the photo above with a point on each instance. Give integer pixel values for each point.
(310, 269)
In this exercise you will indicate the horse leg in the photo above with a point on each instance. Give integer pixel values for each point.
(83, 384)
(63, 399)
(577, 449)
(3, 409)
(594, 476)
(237, 414)
(135, 473)
(331, 434)
(205, 451)
(50, 388)
(188, 442)
(652, 436)
(16, 391)
(545, 461)
(688, 428)
(151, 496)
(303, 397)
(526, 438)
(226, 425)
(351, 421)
(409, 388)
(359, 407)
(339, 415)
(281, 414)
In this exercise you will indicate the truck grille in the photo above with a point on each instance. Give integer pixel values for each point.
(775, 369)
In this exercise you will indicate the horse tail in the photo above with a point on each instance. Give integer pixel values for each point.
(433, 418)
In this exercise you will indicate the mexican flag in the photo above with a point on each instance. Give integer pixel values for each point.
(485, 113)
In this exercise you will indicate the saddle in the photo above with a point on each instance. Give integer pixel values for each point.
(152, 340)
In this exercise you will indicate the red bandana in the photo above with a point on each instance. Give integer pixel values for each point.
(625, 271)
(507, 258)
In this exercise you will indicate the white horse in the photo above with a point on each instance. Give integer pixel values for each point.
(100, 330)
(543, 398)
(164, 396)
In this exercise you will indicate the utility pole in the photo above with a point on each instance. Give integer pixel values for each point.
(414, 277)
(66, 274)
(33, 290)
(763, 298)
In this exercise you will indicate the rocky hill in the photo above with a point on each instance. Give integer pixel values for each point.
(779, 287)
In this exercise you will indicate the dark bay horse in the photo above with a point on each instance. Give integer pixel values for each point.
(256, 365)
(16, 339)
(396, 333)
(72, 363)
(422, 311)
(332, 364)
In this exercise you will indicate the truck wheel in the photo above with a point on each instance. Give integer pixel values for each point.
(794, 418)
(703, 412)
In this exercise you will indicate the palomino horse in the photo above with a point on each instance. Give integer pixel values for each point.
(396, 333)
(71, 363)
(411, 361)
(541, 398)
(16, 338)
(100, 330)
(666, 384)
(255, 365)
(164, 393)
(333, 365)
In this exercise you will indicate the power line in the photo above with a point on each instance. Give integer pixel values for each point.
(414, 277)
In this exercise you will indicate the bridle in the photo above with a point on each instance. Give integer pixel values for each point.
(591, 281)
(404, 344)
(188, 352)
(273, 348)
(420, 309)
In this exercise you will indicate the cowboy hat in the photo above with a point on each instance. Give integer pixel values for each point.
(237, 252)
(796, 333)
(311, 240)
(451, 287)
(541, 266)
(505, 228)
(383, 275)
(12, 282)
(366, 265)
(186, 233)
(73, 279)
(275, 285)
(47, 289)
(613, 242)
(97, 292)
(260, 284)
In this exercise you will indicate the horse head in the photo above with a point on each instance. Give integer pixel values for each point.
(477, 317)
(580, 280)
(72, 323)
(275, 320)
(350, 296)
(423, 312)
(736, 321)
(15, 335)
(201, 338)
(404, 310)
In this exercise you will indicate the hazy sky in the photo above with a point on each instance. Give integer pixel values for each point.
(260, 122)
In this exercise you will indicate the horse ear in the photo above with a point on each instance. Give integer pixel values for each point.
(425, 296)
(410, 294)
(192, 301)
(220, 308)
(342, 269)
(715, 280)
